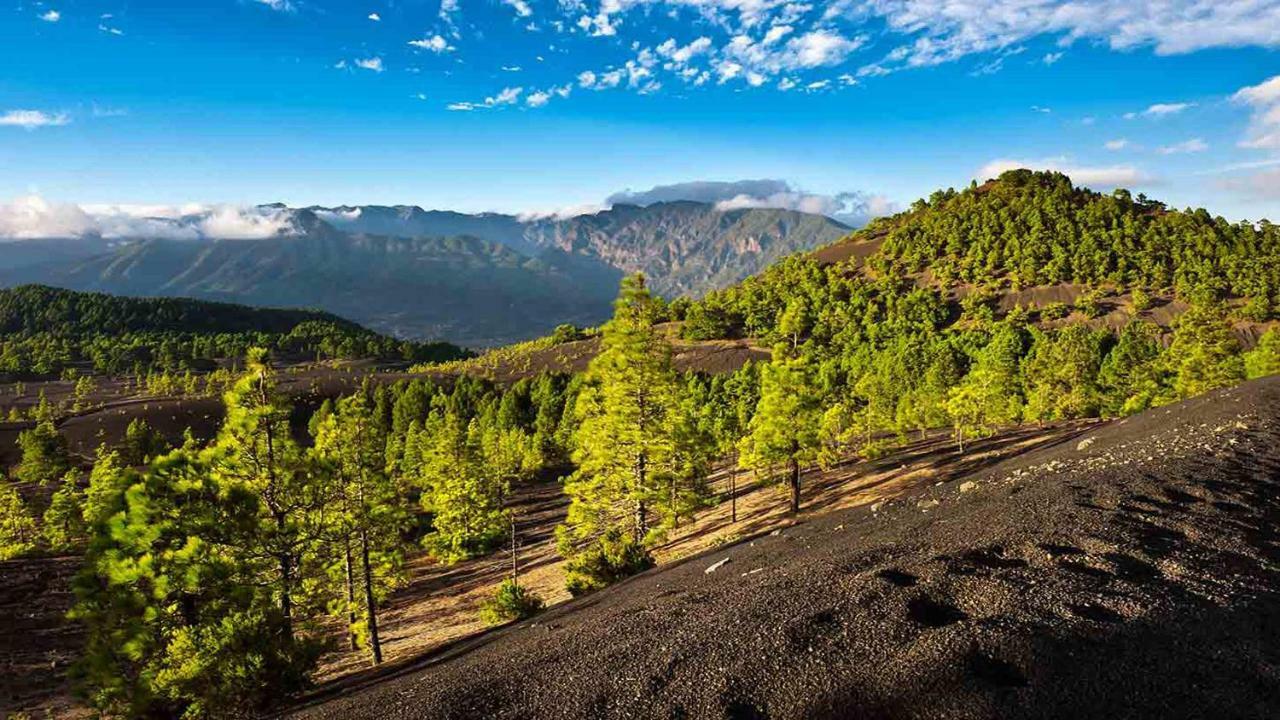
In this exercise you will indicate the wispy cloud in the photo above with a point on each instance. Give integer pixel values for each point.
(434, 43)
(1103, 177)
(1264, 125)
(1160, 110)
(52, 16)
(34, 217)
(373, 64)
(32, 119)
(1117, 144)
(278, 5)
(1194, 145)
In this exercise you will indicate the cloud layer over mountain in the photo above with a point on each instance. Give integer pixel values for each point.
(33, 217)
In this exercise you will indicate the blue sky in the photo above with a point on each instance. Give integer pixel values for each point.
(543, 105)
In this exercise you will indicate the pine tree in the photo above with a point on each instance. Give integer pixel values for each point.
(463, 496)
(18, 532)
(178, 622)
(364, 517)
(63, 523)
(626, 412)
(1204, 354)
(1264, 359)
(44, 454)
(255, 451)
(785, 430)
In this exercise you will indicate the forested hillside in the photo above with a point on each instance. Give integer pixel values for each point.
(44, 331)
(299, 538)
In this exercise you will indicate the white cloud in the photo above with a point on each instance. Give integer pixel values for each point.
(34, 217)
(520, 6)
(564, 213)
(1099, 177)
(1264, 125)
(32, 119)
(375, 17)
(227, 222)
(1051, 58)
(51, 16)
(1194, 145)
(373, 64)
(1116, 145)
(435, 43)
(109, 30)
(1160, 110)
(278, 5)
(940, 31)
(1264, 185)
(463, 106)
(537, 99)
(508, 96)
(852, 207)
(821, 48)
(1040, 109)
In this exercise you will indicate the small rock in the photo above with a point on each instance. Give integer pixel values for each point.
(716, 566)
(968, 485)
(926, 504)
(1084, 444)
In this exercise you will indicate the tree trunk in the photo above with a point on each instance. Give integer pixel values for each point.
(795, 486)
(351, 596)
(733, 495)
(515, 557)
(641, 512)
(371, 607)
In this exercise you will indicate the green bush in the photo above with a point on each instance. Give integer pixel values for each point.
(510, 602)
(1139, 299)
(1088, 304)
(613, 557)
(1256, 309)
(1055, 311)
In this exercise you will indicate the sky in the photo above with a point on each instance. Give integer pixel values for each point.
(562, 106)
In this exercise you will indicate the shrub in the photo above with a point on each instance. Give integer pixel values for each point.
(613, 557)
(1139, 299)
(1055, 311)
(510, 602)
(1256, 309)
(1088, 305)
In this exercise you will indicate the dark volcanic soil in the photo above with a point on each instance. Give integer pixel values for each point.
(1130, 573)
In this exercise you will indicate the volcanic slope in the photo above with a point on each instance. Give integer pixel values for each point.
(1130, 572)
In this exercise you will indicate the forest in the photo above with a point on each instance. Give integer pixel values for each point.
(46, 331)
(216, 574)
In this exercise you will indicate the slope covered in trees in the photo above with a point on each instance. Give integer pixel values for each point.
(864, 353)
(45, 330)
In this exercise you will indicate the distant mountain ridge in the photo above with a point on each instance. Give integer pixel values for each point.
(685, 248)
(471, 279)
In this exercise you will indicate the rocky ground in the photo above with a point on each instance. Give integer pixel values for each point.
(1130, 571)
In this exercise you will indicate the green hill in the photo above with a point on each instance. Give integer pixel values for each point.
(44, 330)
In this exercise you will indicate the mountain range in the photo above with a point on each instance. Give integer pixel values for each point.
(477, 280)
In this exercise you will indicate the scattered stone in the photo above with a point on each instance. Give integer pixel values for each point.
(926, 504)
(968, 485)
(1084, 444)
(716, 566)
